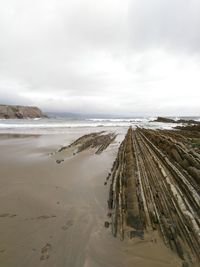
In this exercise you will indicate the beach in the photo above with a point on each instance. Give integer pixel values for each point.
(99, 133)
(53, 214)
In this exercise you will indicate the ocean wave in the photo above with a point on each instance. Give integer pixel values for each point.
(61, 125)
(118, 120)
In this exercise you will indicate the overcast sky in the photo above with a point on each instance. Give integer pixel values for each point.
(139, 57)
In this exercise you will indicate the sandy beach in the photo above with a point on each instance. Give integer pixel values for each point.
(53, 214)
(99, 133)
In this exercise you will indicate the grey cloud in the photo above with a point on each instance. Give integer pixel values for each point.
(169, 24)
(106, 55)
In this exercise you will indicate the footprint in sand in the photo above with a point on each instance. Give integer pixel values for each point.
(68, 224)
(8, 215)
(45, 217)
(42, 217)
(45, 252)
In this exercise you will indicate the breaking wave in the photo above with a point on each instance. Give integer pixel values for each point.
(61, 125)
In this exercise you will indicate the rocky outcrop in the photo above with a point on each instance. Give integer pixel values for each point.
(168, 120)
(154, 187)
(98, 141)
(189, 128)
(187, 121)
(20, 112)
(163, 119)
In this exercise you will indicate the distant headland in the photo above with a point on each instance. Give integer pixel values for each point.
(20, 112)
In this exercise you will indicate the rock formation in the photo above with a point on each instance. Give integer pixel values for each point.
(155, 186)
(98, 141)
(20, 112)
(168, 120)
(163, 119)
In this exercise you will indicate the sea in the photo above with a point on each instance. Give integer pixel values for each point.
(56, 124)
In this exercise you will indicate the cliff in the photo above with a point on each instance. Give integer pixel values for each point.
(20, 112)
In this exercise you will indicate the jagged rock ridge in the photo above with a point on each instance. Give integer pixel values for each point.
(98, 141)
(155, 186)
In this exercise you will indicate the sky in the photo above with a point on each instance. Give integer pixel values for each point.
(137, 57)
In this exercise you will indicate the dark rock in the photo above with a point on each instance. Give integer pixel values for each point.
(195, 173)
(188, 121)
(59, 161)
(163, 119)
(192, 128)
(139, 233)
(168, 120)
(185, 164)
(176, 155)
(185, 264)
(106, 224)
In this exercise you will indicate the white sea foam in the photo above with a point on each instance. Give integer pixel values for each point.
(118, 119)
(62, 125)
(111, 120)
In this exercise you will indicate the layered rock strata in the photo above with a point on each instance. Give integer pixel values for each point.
(155, 186)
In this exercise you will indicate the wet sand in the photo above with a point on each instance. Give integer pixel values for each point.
(53, 214)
